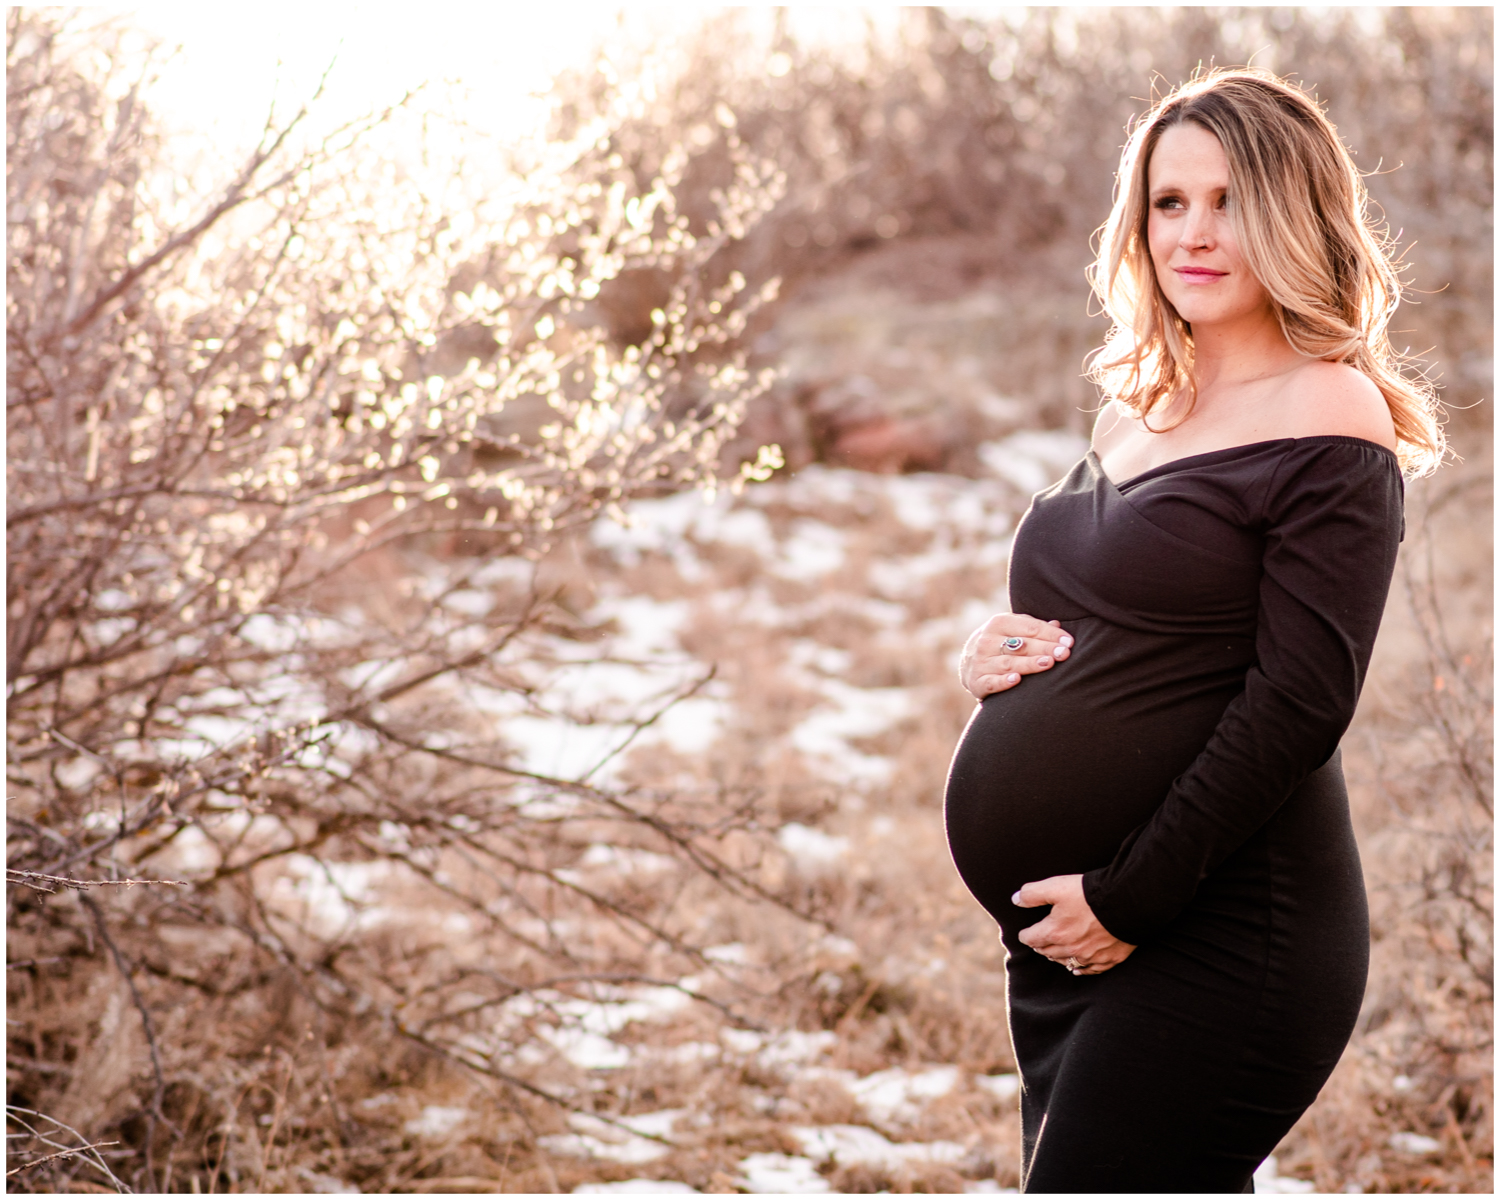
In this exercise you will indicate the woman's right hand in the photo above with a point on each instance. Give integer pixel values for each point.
(988, 666)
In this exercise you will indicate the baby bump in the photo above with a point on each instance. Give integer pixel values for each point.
(1050, 777)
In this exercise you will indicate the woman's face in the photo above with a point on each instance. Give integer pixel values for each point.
(1191, 238)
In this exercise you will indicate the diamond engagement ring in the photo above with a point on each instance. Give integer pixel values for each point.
(1072, 964)
(1014, 643)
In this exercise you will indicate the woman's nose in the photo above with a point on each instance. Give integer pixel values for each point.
(1197, 230)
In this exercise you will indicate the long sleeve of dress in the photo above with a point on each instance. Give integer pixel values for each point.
(1331, 532)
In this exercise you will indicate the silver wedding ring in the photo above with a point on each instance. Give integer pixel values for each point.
(1072, 964)
(1014, 643)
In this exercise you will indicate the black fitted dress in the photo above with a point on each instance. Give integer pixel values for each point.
(1184, 758)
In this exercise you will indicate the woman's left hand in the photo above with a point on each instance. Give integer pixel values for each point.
(1070, 930)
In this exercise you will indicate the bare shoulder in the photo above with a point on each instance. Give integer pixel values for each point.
(1111, 421)
(1326, 398)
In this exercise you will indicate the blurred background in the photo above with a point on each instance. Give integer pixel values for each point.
(491, 524)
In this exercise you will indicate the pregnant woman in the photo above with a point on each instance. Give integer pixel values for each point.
(1149, 799)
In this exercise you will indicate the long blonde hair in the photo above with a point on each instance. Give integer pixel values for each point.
(1300, 213)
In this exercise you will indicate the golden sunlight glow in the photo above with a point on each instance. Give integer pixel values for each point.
(231, 65)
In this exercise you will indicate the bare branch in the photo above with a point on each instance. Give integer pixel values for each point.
(80, 1151)
(51, 883)
(88, 1151)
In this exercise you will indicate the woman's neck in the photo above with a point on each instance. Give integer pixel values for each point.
(1231, 353)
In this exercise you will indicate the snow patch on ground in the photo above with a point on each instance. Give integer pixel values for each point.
(276, 635)
(690, 726)
(518, 572)
(812, 551)
(1414, 1143)
(811, 849)
(190, 851)
(469, 602)
(624, 860)
(859, 1144)
(850, 712)
(77, 773)
(786, 1050)
(781, 1174)
(586, 1050)
(585, 709)
(326, 1185)
(437, 1121)
(662, 526)
(684, 1052)
(1267, 1180)
(597, 687)
(581, 1030)
(559, 748)
(1003, 1087)
(601, 1139)
(814, 486)
(898, 1094)
(330, 896)
(648, 627)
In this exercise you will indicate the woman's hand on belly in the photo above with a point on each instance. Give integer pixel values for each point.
(988, 665)
(1070, 930)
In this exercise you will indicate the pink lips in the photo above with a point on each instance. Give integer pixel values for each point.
(1199, 274)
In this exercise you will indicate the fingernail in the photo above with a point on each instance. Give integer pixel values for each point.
(1065, 640)
(1016, 899)
(1012, 678)
(1044, 661)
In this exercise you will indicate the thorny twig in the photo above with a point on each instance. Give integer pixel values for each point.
(51, 883)
(36, 1162)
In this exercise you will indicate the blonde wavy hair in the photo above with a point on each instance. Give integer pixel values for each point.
(1301, 215)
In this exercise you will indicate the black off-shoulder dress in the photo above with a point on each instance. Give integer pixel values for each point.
(1184, 759)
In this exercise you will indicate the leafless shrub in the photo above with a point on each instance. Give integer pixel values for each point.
(282, 467)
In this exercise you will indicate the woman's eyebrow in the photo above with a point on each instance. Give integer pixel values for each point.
(1167, 189)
